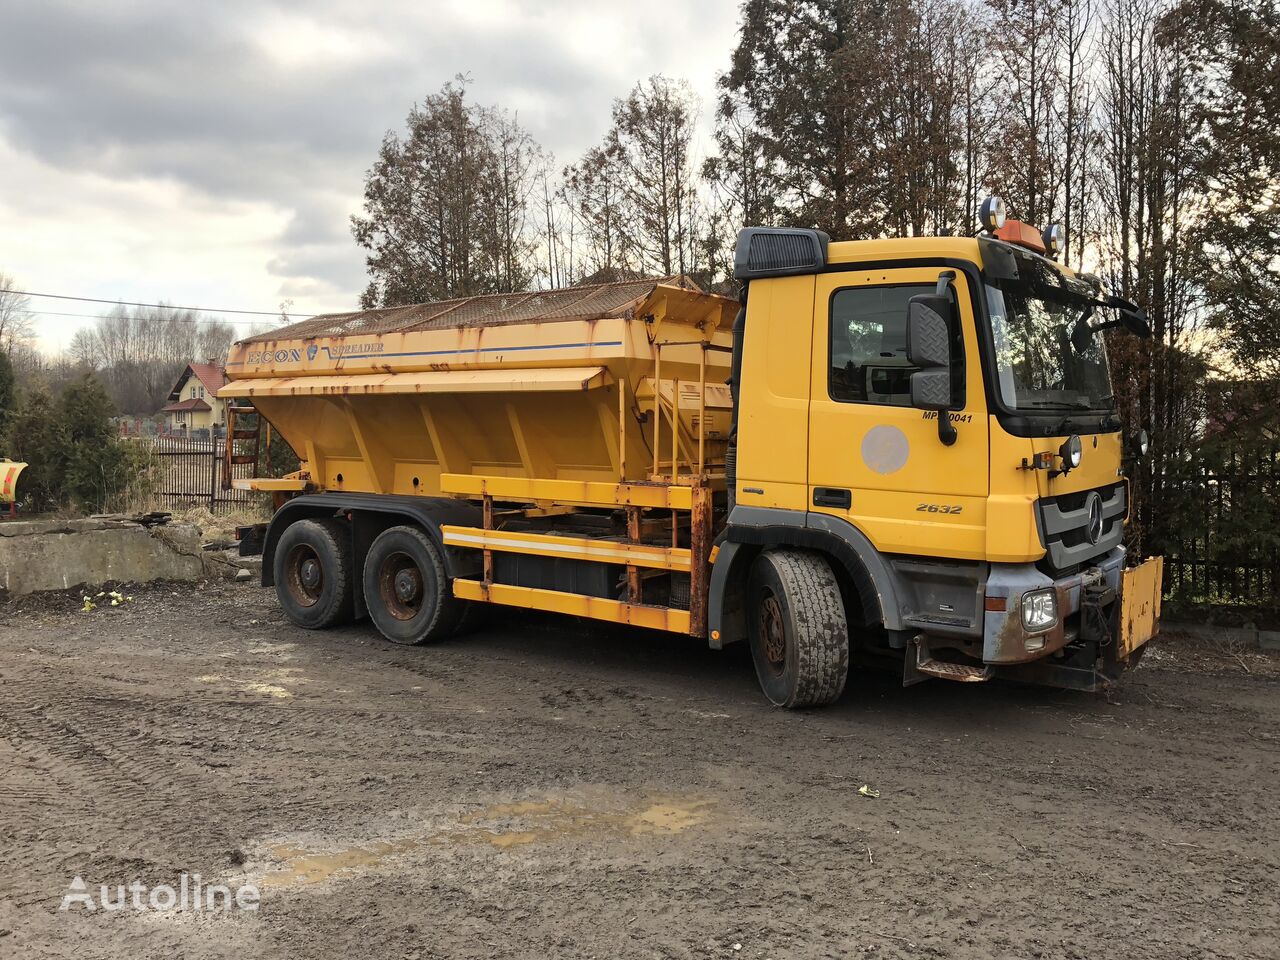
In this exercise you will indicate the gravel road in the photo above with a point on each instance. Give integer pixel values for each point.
(541, 788)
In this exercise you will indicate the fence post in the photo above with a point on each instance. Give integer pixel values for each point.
(213, 471)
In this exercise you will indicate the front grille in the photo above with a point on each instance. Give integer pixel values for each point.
(1064, 523)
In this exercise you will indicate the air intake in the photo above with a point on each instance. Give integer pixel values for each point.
(776, 252)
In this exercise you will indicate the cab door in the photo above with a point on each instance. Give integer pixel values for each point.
(873, 458)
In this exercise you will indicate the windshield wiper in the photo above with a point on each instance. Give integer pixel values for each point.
(1059, 404)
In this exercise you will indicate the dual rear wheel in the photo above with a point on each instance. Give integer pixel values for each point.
(406, 589)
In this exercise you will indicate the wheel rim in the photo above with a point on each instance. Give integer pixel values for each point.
(305, 578)
(773, 633)
(400, 586)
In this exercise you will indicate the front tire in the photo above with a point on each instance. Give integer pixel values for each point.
(313, 576)
(799, 633)
(406, 589)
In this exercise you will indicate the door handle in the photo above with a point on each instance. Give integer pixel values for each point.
(832, 497)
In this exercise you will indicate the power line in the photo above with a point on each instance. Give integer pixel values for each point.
(131, 303)
(98, 316)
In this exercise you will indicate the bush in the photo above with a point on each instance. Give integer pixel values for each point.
(75, 457)
(33, 434)
(97, 462)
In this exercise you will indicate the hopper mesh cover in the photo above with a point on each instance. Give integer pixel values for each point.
(593, 302)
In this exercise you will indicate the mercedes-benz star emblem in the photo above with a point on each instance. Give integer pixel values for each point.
(1094, 530)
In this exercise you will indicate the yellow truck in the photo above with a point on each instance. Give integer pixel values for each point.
(900, 451)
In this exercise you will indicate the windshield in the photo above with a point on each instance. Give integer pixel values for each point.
(1038, 367)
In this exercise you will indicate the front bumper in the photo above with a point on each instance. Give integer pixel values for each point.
(1005, 641)
(1106, 614)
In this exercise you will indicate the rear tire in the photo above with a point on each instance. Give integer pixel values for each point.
(798, 630)
(312, 567)
(406, 589)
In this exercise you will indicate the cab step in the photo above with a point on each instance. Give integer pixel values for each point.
(919, 665)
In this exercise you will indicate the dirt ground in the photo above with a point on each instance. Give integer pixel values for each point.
(548, 789)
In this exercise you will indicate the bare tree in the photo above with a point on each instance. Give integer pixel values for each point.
(138, 352)
(742, 180)
(594, 191)
(507, 234)
(1029, 165)
(17, 326)
(652, 137)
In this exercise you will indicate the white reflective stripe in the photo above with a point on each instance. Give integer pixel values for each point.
(528, 546)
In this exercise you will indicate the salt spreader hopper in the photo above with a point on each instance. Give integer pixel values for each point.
(542, 410)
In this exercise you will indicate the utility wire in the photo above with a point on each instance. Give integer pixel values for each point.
(98, 316)
(131, 303)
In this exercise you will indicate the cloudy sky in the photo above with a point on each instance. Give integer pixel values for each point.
(212, 153)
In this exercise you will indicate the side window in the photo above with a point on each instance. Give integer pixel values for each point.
(868, 346)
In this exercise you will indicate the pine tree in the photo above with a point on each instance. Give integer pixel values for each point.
(35, 435)
(8, 394)
(95, 460)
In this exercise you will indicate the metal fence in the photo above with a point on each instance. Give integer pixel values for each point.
(189, 473)
(1233, 558)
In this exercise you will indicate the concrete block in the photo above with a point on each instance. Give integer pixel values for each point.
(61, 554)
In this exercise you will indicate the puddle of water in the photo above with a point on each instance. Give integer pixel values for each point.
(504, 826)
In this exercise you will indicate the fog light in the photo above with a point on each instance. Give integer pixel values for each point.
(1032, 644)
(1039, 610)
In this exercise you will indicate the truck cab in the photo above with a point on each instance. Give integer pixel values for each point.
(936, 415)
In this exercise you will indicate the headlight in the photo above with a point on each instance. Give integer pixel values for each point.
(1039, 610)
(1071, 452)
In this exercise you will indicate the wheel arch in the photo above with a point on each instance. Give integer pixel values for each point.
(862, 571)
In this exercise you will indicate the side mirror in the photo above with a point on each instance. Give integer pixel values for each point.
(931, 389)
(929, 348)
(928, 334)
(1131, 316)
(1135, 322)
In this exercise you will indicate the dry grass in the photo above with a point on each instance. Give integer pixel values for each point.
(222, 526)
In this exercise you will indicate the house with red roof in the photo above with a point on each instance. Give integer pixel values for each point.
(193, 402)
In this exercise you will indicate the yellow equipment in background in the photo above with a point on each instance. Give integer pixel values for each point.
(9, 471)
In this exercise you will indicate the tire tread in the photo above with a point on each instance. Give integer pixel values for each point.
(822, 631)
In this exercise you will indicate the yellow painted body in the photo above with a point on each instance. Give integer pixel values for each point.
(9, 471)
(1140, 605)
(579, 412)
(553, 601)
(570, 400)
(794, 438)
